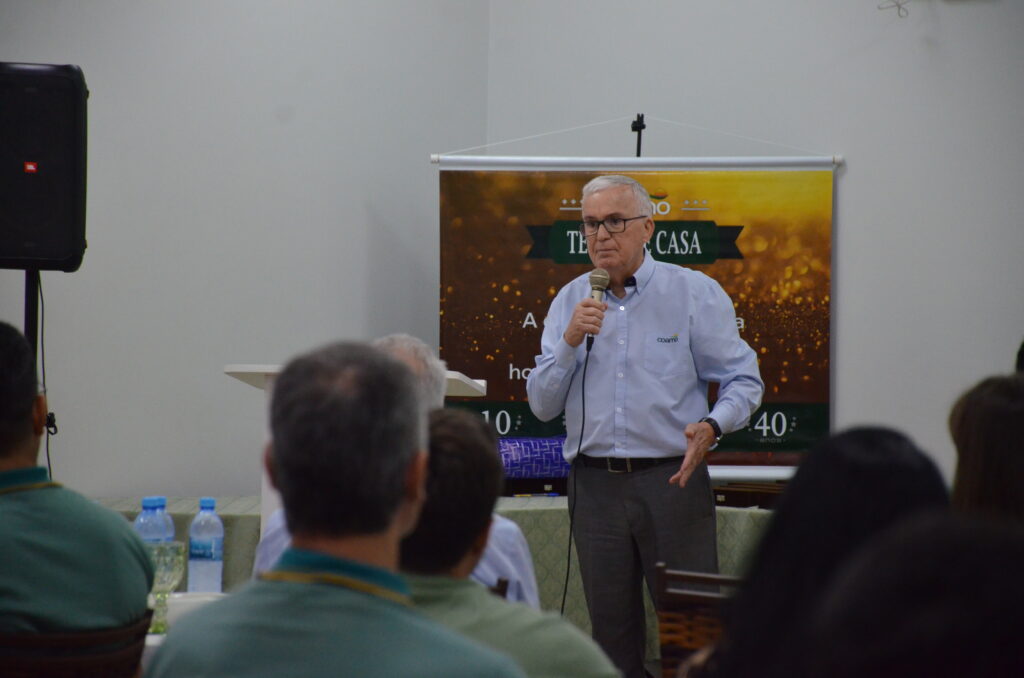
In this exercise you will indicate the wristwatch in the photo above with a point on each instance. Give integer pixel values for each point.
(714, 427)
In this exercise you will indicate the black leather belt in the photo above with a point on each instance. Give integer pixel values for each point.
(626, 464)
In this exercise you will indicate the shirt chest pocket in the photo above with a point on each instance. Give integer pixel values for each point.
(667, 354)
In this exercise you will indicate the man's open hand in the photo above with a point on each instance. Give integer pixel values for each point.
(700, 436)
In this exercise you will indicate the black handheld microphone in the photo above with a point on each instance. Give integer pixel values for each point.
(599, 280)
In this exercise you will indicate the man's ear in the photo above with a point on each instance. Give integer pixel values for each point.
(416, 479)
(414, 493)
(39, 412)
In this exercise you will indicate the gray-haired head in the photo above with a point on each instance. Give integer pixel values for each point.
(431, 372)
(643, 199)
(346, 422)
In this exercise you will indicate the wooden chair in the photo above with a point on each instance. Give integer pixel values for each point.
(746, 494)
(689, 608)
(107, 653)
(500, 588)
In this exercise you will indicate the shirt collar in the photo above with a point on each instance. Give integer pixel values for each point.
(644, 273)
(24, 476)
(427, 586)
(301, 560)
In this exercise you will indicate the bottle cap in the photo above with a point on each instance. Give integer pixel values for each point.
(150, 503)
(207, 503)
(161, 501)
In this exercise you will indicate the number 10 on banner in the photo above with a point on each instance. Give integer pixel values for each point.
(502, 421)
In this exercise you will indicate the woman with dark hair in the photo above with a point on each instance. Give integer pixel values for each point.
(986, 427)
(848, 488)
(938, 595)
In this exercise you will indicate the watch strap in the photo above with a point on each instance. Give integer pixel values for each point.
(714, 426)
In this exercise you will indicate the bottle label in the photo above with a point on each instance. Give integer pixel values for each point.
(206, 549)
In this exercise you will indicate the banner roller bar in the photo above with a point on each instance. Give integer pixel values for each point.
(526, 163)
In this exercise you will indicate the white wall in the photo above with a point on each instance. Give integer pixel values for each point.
(259, 183)
(929, 220)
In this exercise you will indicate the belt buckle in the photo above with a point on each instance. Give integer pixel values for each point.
(629, 466)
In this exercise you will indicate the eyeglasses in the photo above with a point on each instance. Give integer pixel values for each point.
(611, 224)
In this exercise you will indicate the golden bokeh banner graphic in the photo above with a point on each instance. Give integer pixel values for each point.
(509, 242)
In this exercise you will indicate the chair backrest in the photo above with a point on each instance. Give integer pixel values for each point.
(689, 606)
(500, 587)
(106, 653)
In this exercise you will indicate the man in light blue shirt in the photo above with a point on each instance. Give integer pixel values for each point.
(639, 488)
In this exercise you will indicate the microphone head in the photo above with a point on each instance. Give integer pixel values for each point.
(599, 279)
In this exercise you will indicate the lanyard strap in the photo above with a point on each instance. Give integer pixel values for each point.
(337, 580)
(30, 486)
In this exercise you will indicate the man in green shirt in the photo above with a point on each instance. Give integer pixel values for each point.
(66, 563)
(465, 479)
(348, 454)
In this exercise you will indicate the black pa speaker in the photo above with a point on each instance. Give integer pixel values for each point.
(42, 166)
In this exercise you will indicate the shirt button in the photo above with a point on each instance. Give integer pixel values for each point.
(620, 375)
(619, 410)
(622, 308)
(622, 341)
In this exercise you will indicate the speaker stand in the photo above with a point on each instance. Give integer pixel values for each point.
(32, 310)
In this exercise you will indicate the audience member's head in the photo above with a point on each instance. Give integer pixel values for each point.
(986, 427)
(20, 400)
(431, 372)
(939, 595)
(464, 480)
(1020, 357)
(848, 488)
(347, 428)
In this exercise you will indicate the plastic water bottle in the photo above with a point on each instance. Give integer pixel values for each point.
(165, 518)
(206, 550)
(149, 524)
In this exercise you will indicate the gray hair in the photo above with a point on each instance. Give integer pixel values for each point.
(346, 421)
(431, 372)
(640, 194)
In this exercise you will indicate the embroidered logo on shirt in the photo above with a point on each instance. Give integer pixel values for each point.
(669, 340)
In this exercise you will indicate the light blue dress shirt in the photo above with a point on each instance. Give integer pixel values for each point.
(275, 541)
(507, 556)
(658, 349)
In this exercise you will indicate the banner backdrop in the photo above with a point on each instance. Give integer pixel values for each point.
(510, 241)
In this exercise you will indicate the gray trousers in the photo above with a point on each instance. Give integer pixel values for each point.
(624, 523)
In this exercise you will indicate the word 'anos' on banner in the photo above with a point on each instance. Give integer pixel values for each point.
(510, 240)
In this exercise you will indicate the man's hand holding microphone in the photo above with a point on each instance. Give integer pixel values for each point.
(588, 315)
